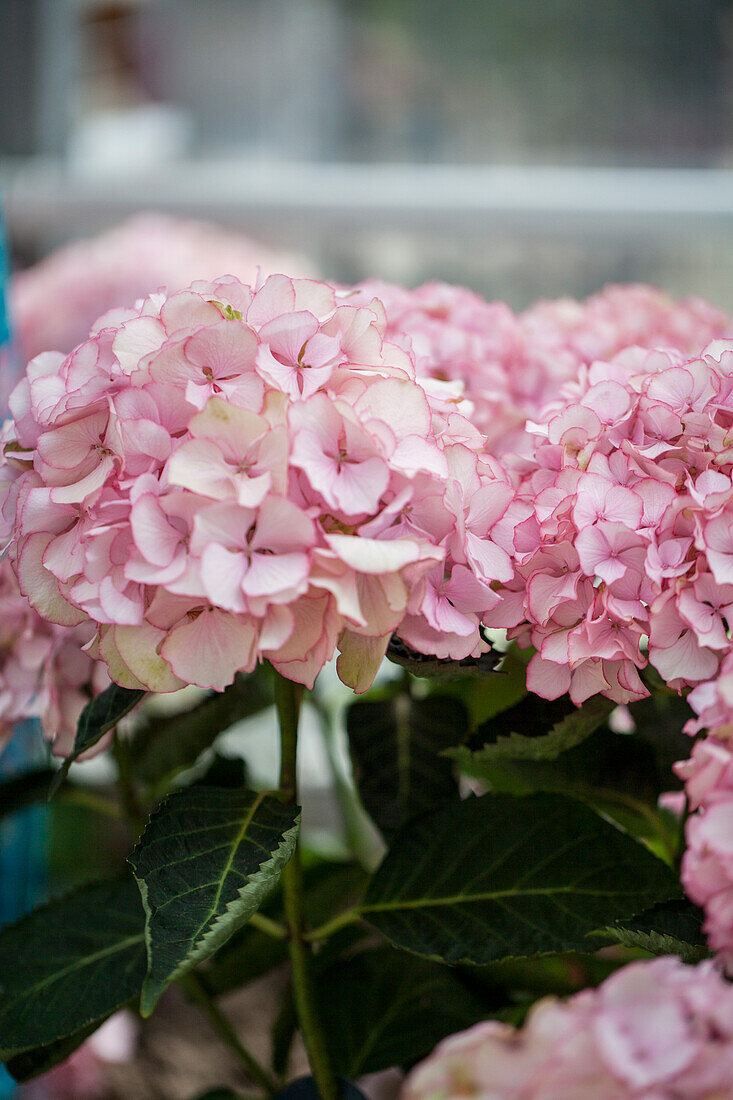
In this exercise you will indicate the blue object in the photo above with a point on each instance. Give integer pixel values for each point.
(23, 834)
(7, 1084)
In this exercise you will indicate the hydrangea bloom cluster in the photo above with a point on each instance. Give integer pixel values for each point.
(654, 1030)
(622, 528)
(231, 474)
(55, 302)
(44, 670)
(707, 865)
(512, 364)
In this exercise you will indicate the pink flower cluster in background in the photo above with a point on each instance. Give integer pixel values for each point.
(55, 303)
(513, 364)
(226, 475)
(621, 528)
(707, 865)
(654, 1030)
(44, 670)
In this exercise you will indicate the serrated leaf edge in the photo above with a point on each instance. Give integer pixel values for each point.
(221, 930)
(656, 943)
(546, 747)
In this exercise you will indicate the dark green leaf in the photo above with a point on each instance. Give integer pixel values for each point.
(501, 876)
(99, 716)
(32, 1063)
(165, 745)
(69, 965)
(531, 715)
(24, 790)
(605, 760)
(395, 746)
(538, 743)
(382, 1009)
(205, 862)
(671, 928)
(615, 773)
(224, 771)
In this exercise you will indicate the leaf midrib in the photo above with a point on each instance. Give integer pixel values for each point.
(88, 960)
(489, 895)
(213, 912)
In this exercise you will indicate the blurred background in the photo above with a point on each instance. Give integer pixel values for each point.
(525, 149)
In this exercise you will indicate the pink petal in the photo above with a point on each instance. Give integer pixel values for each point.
(226, 349)
(546, 679)
(275, 574)
(282, 527)
(136, 339)
(287, 334)
(276, 296)
(223, 571)
(209, 649)
(380, 555)
(198, 465)
(80, 490)
(156, 539)
(41, 587)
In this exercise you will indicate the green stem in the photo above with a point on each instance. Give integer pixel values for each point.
(288, 696)
(335, 924)
(129, 802)
(199, 994)
(270, 927)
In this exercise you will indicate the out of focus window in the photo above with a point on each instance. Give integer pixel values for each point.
(141, 90)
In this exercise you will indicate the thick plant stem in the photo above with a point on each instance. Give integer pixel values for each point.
(288, 696)
(198, 993)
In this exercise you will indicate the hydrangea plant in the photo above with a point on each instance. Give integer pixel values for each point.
(223, 490)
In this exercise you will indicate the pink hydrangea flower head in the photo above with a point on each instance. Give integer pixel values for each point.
(232, 473)
(654, 1029)
(620, 527)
